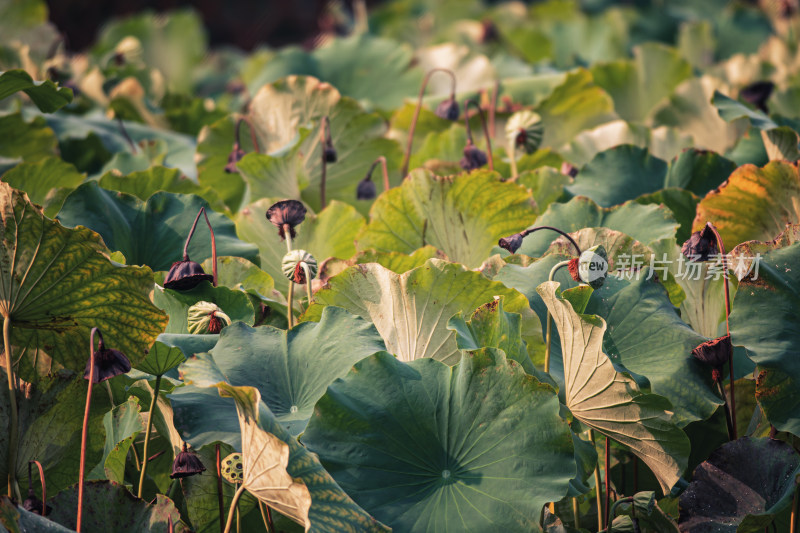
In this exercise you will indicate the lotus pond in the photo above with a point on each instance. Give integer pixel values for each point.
(454, 266)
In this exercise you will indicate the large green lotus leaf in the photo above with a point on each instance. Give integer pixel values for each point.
(646, 224)
(180, 148)
(610, 401)
(547, 185)
(58, 283)
(330, 233)
(50, 422)
(122, 425)
(173, 43)
(28, 141)
(621, 249)
(214, 145)
(16, 519)
(47, 96)
(239, 273)
(638, 85)
(152, 233)
(47, 181)
(463, 216)
(109, 506)
(698, 171)
(730, 110)
(754, 204)
(145, 183)
(176, 304)
(690, 110)
(646, 335)
(441, 151)
(763, 321)
(398, 262)
(290, 369)
(161, 358)
(426, 447)
(411, 310)
(619, 174)
(741, 487)
(576, 105)
(682, 204)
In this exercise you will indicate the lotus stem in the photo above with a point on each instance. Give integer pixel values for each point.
(41, 481)
(576, 513)
(85, 430)
(484, 126)
(127, 137)
(550, 319)
(219, 490)
(147, 435)
(253, 138)
(191, 233)
(407, 154)
(635, 474)
(605, 476)
(287, 231)
(324, 137)
(213, 246)
(721, 246)
(266, 516)
(382, 161)
(289, 298)
(795, 509)
(512, 160)
(13, 433)
(308, 282)
(597, 485)
(493, 106)
(728, 416)
(612, 513)
(234, 504)
(551, 228)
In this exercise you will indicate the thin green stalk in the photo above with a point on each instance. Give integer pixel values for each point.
(288, 234)
(172, 488)
(289, 298)
(266, 516)
(147, 434)
(234, 503)
(13, 433)
(85, 429)
(599, 493)
(576, 513)
(220, 502)
(512, 159)
(550, 319)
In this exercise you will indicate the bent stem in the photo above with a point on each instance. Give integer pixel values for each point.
(308, 282)
(41, 481)
(551, 228)
(213, 246)
(85, 430)
(289, 298)
(233, 507)
(409, 142)
(13, 433)
(484, 126)
(324, 139)
(721, 246)
(147, 435)
(550, 319)
(382, 161)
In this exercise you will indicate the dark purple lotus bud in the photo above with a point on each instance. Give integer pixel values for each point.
(330, 152)
(286, 213)
(108, 363)
(34, 505)
(715, 353)
(366, 189)
(511, 243)
(474, 158)
(701, 245)
(757, 94)
(186, 464)
(489, 32)
(568, 169)
(184, 275)
(448, 109)
(234, 157)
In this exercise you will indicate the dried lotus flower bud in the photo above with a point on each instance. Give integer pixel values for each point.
(186, 464)
(525, 130)
(448, 109)
(292, 266)
(206, 317)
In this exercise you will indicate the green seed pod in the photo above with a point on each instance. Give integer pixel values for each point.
(525, 130)
(233, 468)
(293, 269)
(206, 317)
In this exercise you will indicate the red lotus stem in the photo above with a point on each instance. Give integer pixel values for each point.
(41, 480)
(85, 431)
(253, 138)
(484, 126)
(382, 161)
(493, 107)
(213, 246)
(407, 155)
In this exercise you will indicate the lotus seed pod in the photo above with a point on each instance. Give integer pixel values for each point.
(233, 468)
(525, 130)
(293, 269)
(206, 317)
(593, 266)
